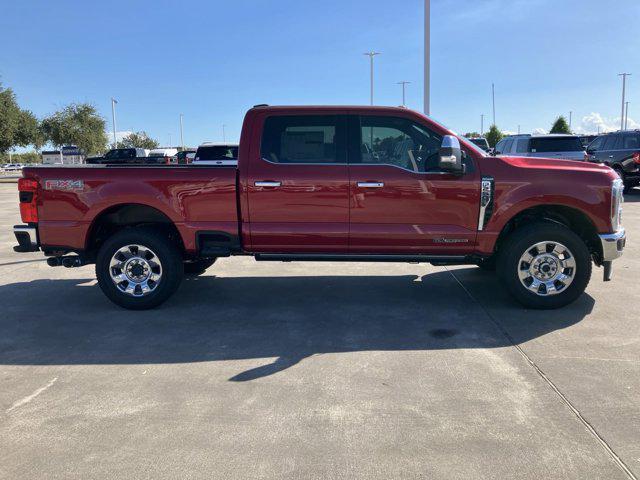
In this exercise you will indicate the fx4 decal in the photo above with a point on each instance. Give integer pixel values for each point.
(68, 185)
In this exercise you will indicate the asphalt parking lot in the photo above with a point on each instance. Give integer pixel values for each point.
(327, 371)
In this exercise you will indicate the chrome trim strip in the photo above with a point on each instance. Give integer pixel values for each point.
(370, 184)
(268, 184)
(486, 196)
(610, 243)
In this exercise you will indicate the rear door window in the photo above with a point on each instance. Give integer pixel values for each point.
(555, 144)
(507, 145)
(522, 145)
(631, 141)
(611, 142)
(311, 139)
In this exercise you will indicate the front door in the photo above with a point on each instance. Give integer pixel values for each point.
(401, 202)
(298, 186)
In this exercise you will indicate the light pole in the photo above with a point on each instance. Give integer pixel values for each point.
(570, 118)
(404, 84)
(481, 124)
(224, 133)
(113, 117)
(427, 57)
(493, 101)
(518, 129)
(626, 115)
(181, 133)
(624, 84)
(371, 55)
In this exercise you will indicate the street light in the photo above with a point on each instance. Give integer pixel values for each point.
(404, 84)
(113, 117)
(626, 115)
(427, 57)
(181, 133)
(624, 84)
(371, 55)
(481, 124)
(493, 101)
(224, 133)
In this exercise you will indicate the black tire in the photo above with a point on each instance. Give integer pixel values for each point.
(198, 267)
(168, 254)
(524, 238)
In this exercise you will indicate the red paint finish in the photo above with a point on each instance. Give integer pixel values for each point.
(193, 198)
(320, 208)
(413, 212)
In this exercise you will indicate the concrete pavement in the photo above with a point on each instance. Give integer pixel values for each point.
(303, 370)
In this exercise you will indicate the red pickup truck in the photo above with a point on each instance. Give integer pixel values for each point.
(331, 184)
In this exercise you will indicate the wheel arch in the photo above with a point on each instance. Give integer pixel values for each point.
(117, 217)
(574, 219)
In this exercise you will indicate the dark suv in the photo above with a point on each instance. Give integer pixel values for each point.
(621, 151)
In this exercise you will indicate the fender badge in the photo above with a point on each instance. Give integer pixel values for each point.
(67, 185)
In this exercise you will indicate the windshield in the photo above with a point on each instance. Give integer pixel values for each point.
(217, 152)
(555, 144)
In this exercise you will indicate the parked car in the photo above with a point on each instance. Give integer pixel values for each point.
(212, 153)
(620, 151)
(163, 155)
(378, 184)
(13, 167)
(185, 157)
(121, 156)
(563, 146)
(480, 142)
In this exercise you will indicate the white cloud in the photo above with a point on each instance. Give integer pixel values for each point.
(594, 123)
(540, 131)
(119, 135)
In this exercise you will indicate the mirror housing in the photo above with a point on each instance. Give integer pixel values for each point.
(450, 155)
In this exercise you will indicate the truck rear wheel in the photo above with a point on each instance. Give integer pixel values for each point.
(198, 267)
(544, 265)
(139, 268)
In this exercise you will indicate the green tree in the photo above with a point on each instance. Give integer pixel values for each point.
(560, 126)
(493, 136)
(18, 128)
(138, 140)
(77, 124)
(472, 135)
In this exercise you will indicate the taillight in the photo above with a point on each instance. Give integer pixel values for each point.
(28, 190)
(636, 158)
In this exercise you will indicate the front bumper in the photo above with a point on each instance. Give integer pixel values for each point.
(27, 238)
(612, 248)
(613, 245)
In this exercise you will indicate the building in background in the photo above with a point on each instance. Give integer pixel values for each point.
(71, 155)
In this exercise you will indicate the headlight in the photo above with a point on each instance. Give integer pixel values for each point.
(617, 189)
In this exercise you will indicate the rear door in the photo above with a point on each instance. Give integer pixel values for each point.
(401, 202)
(608, 153)
(297, 185)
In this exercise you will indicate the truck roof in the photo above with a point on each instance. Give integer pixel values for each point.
(328, 108)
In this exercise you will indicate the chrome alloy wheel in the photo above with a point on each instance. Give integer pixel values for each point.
(547, 268)
(136, 270)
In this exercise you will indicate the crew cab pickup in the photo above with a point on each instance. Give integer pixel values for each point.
(375, 184)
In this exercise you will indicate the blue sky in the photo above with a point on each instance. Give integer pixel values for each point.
(211, 60)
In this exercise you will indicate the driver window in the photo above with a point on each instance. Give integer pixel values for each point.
(399, 142)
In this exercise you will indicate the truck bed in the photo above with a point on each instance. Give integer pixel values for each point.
(194, 198)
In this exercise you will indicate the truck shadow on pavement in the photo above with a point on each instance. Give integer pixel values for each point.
(70, 322)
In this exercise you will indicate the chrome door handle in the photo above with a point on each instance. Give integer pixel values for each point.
(268, 184)
(370, 184)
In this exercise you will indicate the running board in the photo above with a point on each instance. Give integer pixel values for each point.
(324, 257)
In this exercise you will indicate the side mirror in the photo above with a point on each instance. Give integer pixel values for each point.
(450, 155)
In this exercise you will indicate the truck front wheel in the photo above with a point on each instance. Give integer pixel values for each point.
(139, 268)
(544, 265)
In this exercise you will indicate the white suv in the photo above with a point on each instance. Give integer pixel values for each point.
(568, 147)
